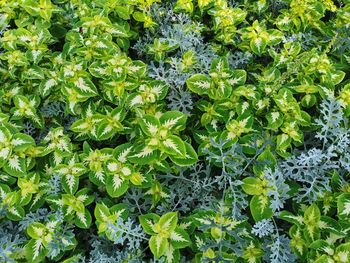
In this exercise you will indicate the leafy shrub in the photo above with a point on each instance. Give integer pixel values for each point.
(174, 131)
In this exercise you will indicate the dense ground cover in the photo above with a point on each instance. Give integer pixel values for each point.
(174, 131)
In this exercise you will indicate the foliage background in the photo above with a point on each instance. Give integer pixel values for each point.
(174, 131)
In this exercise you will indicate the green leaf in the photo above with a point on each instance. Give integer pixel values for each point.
(173, 145)
(116, 185)
(320, 245)
(312, 215)
(260, 208)
(139, 16)
(219, 65)
(239, 77)
(274, 119)
(36, 230)
(168, 221)
(308, 100)
(331, 225)
(35, 251)
(252, 186)
(333, 77)
(106, 131)
(101, 212)
(275, 36)
(98, 70)
(159, 89)
(283, 142)
(15, 166)
(80, 126)
(47, 86)
(265, 160)
(70, 183)
(342, 252)
(199, 83)
(85, 87)
(34, 72)
(223, 90)
(122, 152)
(121, 210)
(190, 157)
(147, 222)
(304, 119)
(172, 255)
(312, 218)
(15, 213)
(343, 206)
(158, 245)
(258, 45)
(289, 217)
(173, 120)
(149, 125)
(179, 238)
(324, 259)
(143, 154)
(22, 141)
(83, 219)
(137, 69)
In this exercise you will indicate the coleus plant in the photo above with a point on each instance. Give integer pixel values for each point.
(168, 112)
(13, 148)
(166, 236)
(73, 206)
(319, 237)
(41, 237)
(160, 140)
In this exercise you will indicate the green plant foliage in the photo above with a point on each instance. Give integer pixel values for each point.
(175, 131)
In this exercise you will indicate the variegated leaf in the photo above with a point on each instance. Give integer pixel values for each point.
(143, 154)
(275, 119)
(189, 158)
(85, 86)
(122, 152)
(22, 141)
(83, 219)
(343, 205)
(158, 88)
(137, 69)
(101, 212)
(179, 238)
(149, 125)
(70, 183)
(15, 213)
(289, 217)
(158, 245)
(46, 86)
(199, 83)
(107, 130)
(238, 77)
(260, 207)
(147, 222)
(168, 221)
(258, 45)
(35, 251)
(98, 70)
(15, 166)
(116, 185)
(173, 120)
(174, 146)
